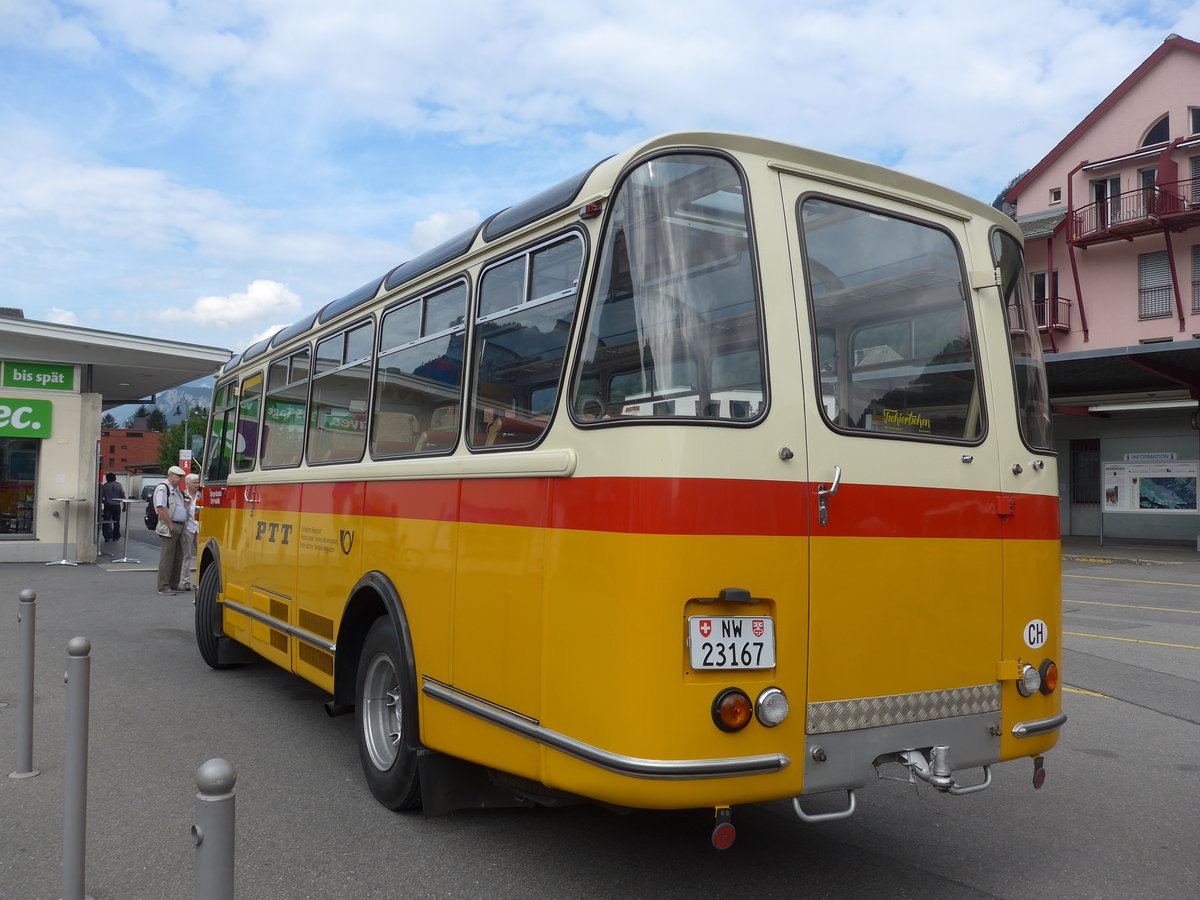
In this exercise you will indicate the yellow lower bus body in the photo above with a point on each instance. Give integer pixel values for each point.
(581, 636)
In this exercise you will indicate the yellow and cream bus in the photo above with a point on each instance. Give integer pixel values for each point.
(719, 473)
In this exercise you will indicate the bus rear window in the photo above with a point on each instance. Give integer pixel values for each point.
(675, 332)
(895, 346)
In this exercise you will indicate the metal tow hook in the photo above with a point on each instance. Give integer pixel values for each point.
(936, 770)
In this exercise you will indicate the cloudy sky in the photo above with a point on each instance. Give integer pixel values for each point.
(210, 170)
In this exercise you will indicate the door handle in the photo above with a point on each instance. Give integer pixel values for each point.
(824, 493)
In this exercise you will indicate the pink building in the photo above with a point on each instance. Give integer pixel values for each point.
(1111, 218)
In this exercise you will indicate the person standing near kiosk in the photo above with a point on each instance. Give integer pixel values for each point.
(111, 495)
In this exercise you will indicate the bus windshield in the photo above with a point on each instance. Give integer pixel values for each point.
(675, 332)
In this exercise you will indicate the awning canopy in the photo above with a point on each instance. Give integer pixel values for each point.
(1145, 370)
(122, 368)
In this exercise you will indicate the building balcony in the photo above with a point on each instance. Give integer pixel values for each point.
(1174, 206)
(1053, 314)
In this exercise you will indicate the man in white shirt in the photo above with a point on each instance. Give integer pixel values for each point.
(191, 532)
(171, 504)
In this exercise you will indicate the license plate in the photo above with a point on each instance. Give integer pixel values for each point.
(731, 642)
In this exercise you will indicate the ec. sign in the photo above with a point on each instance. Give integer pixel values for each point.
(25, 418)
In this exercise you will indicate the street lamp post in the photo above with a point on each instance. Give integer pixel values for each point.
(187, 421)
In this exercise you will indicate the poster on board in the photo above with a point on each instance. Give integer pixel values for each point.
(1166, 486)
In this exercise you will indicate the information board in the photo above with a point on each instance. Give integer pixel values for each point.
(1167, 486)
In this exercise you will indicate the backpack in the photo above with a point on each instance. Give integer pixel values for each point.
(151, 517)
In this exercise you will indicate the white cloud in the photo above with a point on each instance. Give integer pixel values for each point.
(441, 226)
(262, 335)
(62, 317)
(263, 299)
(196, 146)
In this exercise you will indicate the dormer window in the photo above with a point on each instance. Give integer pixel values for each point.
(1159, 133)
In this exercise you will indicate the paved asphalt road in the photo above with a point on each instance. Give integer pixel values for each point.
(1119, 816)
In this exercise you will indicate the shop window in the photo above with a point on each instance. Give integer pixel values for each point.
(18, 477)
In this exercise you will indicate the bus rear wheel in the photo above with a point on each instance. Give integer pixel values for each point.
(386, 706)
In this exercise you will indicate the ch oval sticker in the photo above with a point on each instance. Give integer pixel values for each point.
(1036, 633)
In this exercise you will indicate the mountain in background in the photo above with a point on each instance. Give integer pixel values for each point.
(193, 395)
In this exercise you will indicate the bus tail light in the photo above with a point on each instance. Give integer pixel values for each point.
(1030, 681)
(771, 707)
(732, 709)
(1049, 674)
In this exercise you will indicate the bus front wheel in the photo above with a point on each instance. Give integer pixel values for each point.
(208, 617)
(387, 719)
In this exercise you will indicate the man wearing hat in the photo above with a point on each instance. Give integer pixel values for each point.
(171, 504)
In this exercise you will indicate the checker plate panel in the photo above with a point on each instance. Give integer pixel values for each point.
(923, 706)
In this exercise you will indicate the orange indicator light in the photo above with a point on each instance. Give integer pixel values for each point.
(732, 710)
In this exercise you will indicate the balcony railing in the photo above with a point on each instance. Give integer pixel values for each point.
(1054, 314)
(1139, 211)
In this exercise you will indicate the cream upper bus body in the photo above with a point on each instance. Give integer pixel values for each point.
(899, 566)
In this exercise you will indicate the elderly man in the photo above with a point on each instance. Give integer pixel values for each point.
(171, 504)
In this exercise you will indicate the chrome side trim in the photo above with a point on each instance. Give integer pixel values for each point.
(634, 767)
(895, 709)
(1039, 726)
(298, 633)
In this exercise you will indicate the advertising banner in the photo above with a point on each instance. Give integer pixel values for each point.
(25, 418)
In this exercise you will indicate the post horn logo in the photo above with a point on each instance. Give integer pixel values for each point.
(346, 539)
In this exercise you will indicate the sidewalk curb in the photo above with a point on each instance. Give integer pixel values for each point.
(1119, 559)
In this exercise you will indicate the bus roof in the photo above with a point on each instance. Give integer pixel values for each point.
(785, 157)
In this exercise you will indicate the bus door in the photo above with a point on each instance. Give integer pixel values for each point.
(263, 539)
(905, 556)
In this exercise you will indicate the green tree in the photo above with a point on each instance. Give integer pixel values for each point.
(156, 419)
(173, 439)
(140, 413)
(108, 420)
(1001, 203)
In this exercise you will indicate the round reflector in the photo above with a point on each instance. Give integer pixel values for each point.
(732, 709)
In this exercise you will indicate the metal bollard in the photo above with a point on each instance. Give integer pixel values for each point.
(214, 828)
(26, 622)
(78, 679)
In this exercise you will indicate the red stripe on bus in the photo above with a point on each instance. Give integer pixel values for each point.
(685, 506)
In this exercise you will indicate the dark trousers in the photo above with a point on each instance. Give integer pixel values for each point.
(111, 523)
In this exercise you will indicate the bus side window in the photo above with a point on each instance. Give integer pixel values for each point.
(337, 417)
(527, 305)
(220, 443)
(284, 411)
(245, 450)
(418, 375)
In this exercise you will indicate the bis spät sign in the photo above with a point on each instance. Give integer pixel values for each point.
(42, 376)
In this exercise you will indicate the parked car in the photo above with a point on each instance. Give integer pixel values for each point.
(149, 484)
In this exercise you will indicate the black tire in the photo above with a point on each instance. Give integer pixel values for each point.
(208, 617)
(386, 715)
